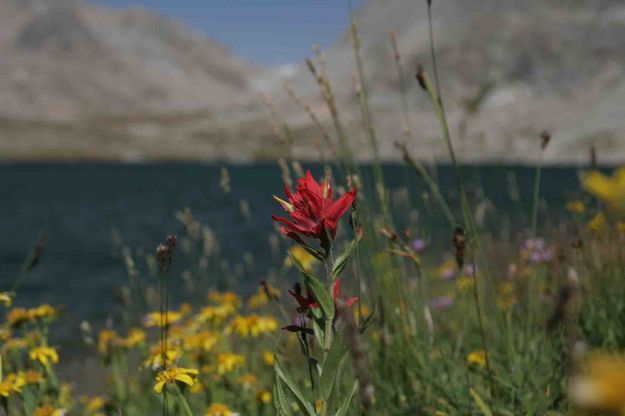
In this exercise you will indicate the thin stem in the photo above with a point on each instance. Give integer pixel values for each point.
(430, 182)
(185, 403)
(476, 296)
(433, 52)
(367, 116)
(537, 180)
(307, 350)
(329, 327)
(162, 336)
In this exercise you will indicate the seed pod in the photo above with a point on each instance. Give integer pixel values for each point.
(545, 136)
(460, 245)
(421, 77)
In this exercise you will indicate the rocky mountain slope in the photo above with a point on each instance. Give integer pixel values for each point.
(508, 70)
(67, 59)
(82, 82)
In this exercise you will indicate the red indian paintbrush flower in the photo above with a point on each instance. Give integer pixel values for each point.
(312, 209)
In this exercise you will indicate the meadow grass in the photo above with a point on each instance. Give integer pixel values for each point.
(488, 321)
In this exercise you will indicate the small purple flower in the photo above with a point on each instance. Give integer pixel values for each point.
(536, 251)
(548, 254)
(534, 244)
(469, 270)
(299, 321)
(442, 302)
(448, 273)
(418, 245)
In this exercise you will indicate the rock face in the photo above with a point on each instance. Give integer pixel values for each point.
(82, 82)
(553, 46)
(508, 69)
(65, 59)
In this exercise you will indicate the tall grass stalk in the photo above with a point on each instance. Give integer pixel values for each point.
(280, 128)
(401, 78)
(313, 117)
(325, 87)
(367, 116)
(537, 180)
(415, 163)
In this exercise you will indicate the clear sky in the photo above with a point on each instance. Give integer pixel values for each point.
(267, 31)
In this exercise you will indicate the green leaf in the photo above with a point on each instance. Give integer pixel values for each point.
(331, 368)
(343, 260)
(279, 399)
(296, 262)
(480, 403)
(321, 294)
(368, 320)
(290, 384)
(345, 406)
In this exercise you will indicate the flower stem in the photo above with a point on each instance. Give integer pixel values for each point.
(185, 403)
(476, 298)
(328, 328)
(536, 199)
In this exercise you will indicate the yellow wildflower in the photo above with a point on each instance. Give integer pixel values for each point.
(247, 380)
(154, 319)
(597, 224)
(253, 325)
(258, 299)
(42, 312)
(229, 299)
(155, 358)
(176, 374)
(306, 259)
(31, 377)
(268, 358)
(48, 410)
(135, 337)
(5, 334)
(93, 404)
(17, 316)
(11, 384)
(576, 207)
(610, 190)
(600, 386)
(185, 309)
(478, 358)
(16, 344)
(106, 340)
(204, 341)
(6, 298)
(219, 409)
(507, 296)
(44, 355)
(465, 283)
(196, 388)
(319, 406)
(263, 396)
(263, 295)
(363, 309)
(66, 395)
(215, 314)
(228, 361)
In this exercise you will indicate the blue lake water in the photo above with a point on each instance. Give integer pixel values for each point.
(78, 206)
